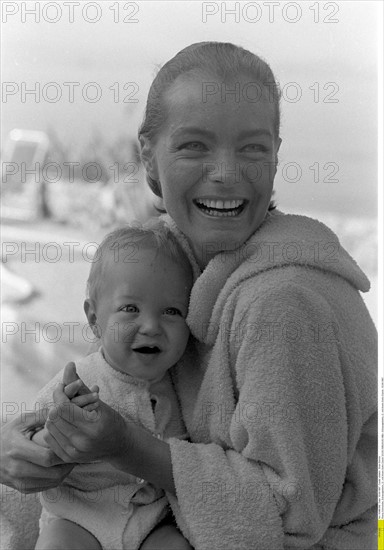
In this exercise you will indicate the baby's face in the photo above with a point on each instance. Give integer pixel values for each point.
(141, 313)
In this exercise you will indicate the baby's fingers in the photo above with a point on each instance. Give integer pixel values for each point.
(70, 374)
(73, 388)
(78, 388)
(87, 399)
(92, 406)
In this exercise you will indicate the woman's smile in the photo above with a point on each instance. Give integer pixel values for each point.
(220, 207)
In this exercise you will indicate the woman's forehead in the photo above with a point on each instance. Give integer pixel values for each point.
(189, 111)
(211, 86)
(204, 91)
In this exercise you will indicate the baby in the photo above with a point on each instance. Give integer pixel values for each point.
(138, 294)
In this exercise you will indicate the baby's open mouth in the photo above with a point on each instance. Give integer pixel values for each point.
(220, 208)
(147, 349)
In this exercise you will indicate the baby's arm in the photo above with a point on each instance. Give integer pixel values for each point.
(78, 393)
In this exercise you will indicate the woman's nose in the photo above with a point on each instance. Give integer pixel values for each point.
(223, 168)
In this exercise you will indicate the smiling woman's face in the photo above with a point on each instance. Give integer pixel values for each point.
(215, 158)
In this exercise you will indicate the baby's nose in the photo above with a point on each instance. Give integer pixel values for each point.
(150, 325)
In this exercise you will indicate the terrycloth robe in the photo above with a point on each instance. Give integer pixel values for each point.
(119, 509)
(278, 396)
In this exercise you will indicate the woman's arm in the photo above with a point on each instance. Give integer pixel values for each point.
(30, 466)
(148, 458)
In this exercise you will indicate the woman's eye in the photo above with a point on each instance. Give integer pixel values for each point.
(194, 146)
(172, 311)
(129, 308)
(254, 148)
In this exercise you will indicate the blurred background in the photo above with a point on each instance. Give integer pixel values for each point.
(75, 80)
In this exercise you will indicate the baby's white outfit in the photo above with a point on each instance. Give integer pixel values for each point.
(119, 509)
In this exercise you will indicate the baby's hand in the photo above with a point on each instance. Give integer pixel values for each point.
(77, 391)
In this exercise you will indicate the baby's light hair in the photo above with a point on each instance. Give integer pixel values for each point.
(123, 243)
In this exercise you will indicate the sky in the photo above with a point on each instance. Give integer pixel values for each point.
(324, 54)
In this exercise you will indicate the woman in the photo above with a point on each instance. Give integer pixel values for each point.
(279, 390)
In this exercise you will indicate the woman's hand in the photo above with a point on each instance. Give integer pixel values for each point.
(25, 466)
(78, 435)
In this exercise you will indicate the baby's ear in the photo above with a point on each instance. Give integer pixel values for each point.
(148, 158)
(90, 312)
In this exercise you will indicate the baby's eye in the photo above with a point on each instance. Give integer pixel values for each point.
(194, 146)
(172, 311)
(130, 308)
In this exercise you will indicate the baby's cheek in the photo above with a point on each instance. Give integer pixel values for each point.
(122, 331)
(184, 336)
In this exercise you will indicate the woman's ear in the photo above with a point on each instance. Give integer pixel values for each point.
(90, 312)
(148, 158)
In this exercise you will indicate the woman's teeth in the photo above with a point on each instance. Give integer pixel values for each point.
(220, 208)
